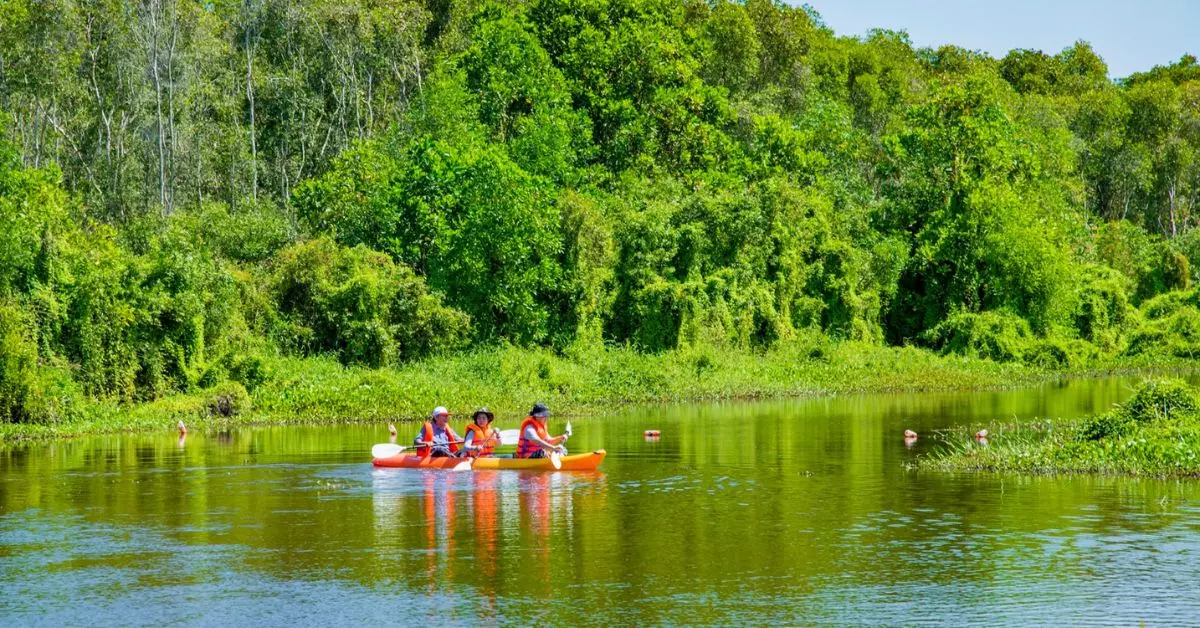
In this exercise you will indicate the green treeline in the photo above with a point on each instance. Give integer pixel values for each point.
(191, 190)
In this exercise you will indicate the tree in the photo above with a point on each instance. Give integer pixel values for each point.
(976, 198)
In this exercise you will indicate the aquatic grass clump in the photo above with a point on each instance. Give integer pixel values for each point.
(1156, 433)
(1104, 426)
(1168, 399)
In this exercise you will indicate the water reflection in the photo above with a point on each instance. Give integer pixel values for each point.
(497, 531)
(797, 511)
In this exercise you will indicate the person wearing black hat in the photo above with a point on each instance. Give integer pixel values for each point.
(481, 440)
(535, 441)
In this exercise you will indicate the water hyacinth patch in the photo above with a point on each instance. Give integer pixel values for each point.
(1155, 433)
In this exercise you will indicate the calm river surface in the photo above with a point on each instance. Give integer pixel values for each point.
(794, 512)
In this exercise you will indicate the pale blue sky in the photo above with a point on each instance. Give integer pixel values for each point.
(1131, 35)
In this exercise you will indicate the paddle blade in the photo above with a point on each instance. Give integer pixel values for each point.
(385, 450)
(465, 465)
(509, 437)
(568, 430)
(555, 460)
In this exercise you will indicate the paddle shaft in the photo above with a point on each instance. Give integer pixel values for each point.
(499, 439)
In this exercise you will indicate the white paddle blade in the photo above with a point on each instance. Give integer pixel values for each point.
(509, 437)
(385, 450)
(555, 460)
(568, 430)
(465, 465)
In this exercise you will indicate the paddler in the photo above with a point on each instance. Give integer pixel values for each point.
(436, 438)
(535, 441)
(481, 440)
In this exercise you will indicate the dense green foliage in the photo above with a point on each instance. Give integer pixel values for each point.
(1156, 432)
(191, 191)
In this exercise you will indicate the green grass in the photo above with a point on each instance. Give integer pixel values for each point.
(509, 380)
(1156, 433)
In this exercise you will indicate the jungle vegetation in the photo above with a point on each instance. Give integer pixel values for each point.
(207, 196)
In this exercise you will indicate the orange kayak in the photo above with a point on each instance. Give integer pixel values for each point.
(575, 462)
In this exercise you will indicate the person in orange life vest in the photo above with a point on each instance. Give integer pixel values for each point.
(480, 439)
(535, 441)
(436, 438)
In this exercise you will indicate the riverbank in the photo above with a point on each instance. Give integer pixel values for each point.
(1156, 433)
(580, 382)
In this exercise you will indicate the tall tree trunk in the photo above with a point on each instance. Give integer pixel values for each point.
(172, 143)
(1171, 206)
(153, 5)
(250, 99)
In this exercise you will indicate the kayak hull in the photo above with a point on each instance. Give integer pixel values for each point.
(575, 462)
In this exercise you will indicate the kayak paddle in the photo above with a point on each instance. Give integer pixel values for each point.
(509, 437)
(555, 457)
(387, 450)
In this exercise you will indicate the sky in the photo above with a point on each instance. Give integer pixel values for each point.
(1131, 35)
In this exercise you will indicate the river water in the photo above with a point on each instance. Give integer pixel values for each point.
(794, 512)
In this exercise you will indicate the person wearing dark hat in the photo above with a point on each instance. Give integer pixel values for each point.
(436, 438)
(535, 441)
(480, 440)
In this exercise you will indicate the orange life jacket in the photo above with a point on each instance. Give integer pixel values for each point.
(427, 436)
(527, 448)
(485, 436)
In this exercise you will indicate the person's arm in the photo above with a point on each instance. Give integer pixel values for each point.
(468, 442)
(418, 441)
(531, 434)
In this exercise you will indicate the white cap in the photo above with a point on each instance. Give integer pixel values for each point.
(439, 411)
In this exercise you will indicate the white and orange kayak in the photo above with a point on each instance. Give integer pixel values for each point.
(575, 462)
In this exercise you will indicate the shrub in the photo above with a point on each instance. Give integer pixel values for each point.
(1167, 399)
(1124, 246)
(55, 396)
(1104, 426)
(1188, 243)
(1103, 310)
(246, 369)
(1050, 354)
(228, 399)
(999, 336)
(1082, 351)
(1169, 271)
(359, 305)
(18, 361)
(251, 234)
(1164, 305)
(1177, 334)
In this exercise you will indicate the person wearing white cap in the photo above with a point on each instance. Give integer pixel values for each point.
(436, 438)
